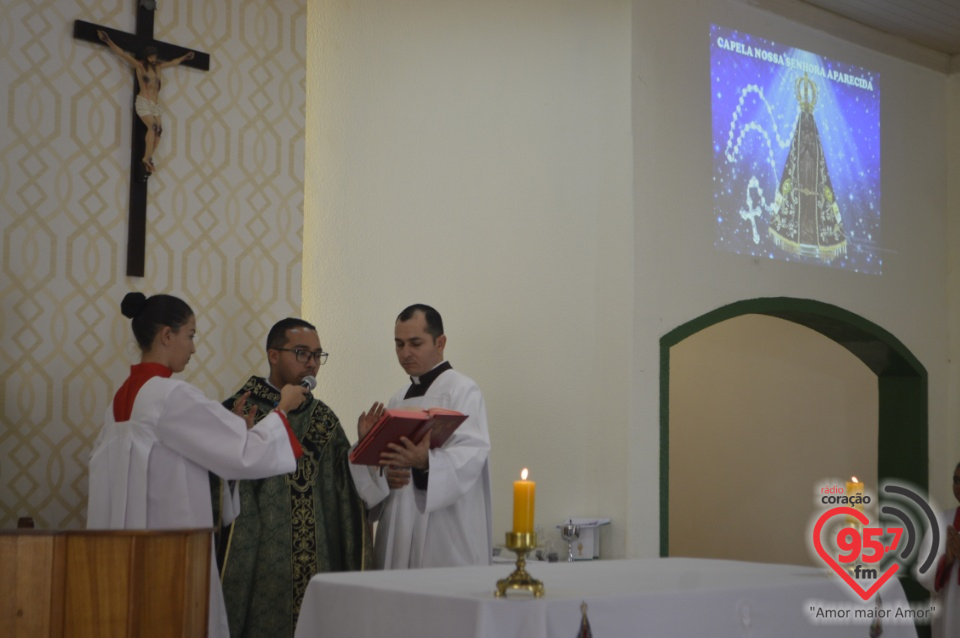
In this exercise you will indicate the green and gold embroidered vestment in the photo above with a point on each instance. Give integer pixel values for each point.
(290, 526)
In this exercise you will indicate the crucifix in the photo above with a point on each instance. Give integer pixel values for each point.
(140, 169)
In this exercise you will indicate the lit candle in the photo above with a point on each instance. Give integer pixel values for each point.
(854, 488)
(523, 498)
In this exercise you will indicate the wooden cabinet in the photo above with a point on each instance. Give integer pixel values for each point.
(104, 584)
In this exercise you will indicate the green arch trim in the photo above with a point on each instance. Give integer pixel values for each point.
(902, 428)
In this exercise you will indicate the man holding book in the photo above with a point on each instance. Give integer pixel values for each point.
(433, 505)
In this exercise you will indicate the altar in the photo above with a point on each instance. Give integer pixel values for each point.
(652, 597)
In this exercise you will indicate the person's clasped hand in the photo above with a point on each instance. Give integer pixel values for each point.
(292, 397)
(397, 477)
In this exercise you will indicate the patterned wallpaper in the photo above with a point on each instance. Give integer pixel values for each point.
(224, 218)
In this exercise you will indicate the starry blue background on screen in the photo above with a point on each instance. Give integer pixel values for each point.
(754, 114)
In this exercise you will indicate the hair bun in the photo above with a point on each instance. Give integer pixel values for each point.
(132, 304)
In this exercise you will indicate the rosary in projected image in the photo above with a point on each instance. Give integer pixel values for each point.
(796, 154)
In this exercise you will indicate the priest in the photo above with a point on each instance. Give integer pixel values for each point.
(295, 525)
(942, 579)
(433, 506)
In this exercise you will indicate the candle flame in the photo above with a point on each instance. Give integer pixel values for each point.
(854, 479)
(523, 474)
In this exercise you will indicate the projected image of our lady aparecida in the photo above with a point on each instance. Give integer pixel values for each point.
(796, 154)
(806, 218)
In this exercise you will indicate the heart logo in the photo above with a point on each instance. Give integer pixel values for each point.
(829, 560)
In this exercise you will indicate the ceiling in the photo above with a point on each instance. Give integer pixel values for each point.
(934, 24)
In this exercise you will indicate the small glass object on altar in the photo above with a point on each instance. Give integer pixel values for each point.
(545, 550)
(587, 545)
(569, 532)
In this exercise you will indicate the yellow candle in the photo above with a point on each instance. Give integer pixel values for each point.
(524, 493)
(854, 487)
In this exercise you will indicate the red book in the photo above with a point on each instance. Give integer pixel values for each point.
(411, 423)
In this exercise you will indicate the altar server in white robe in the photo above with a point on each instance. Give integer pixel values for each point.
(150, 463)
(433, 507)
(943, 577)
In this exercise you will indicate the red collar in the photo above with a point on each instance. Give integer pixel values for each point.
(127, 394)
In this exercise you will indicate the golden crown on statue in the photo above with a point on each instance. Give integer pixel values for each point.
(806, 93)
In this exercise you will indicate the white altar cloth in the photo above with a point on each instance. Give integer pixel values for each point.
(655, 597)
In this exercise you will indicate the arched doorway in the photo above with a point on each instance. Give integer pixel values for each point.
(902, 450)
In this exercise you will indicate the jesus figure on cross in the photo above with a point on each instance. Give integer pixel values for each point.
(148, 92)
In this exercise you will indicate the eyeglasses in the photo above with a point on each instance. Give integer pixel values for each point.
(304, 356)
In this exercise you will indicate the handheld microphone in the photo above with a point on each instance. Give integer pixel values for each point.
(309, 382)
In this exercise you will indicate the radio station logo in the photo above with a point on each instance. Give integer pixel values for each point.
(867, 543)
(861, 552)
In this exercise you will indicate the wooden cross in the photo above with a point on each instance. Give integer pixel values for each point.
(137, 226)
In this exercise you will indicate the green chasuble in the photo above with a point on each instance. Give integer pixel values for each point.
(291, 526)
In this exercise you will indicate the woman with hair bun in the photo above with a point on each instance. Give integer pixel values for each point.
(161, 436)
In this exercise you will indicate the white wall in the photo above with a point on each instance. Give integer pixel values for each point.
(224, 218)
(540, 172)
(673, 199)
(476, 156)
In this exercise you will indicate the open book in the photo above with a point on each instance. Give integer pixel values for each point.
(409, 422)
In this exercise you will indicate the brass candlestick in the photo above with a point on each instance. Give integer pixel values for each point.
(520, 543)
